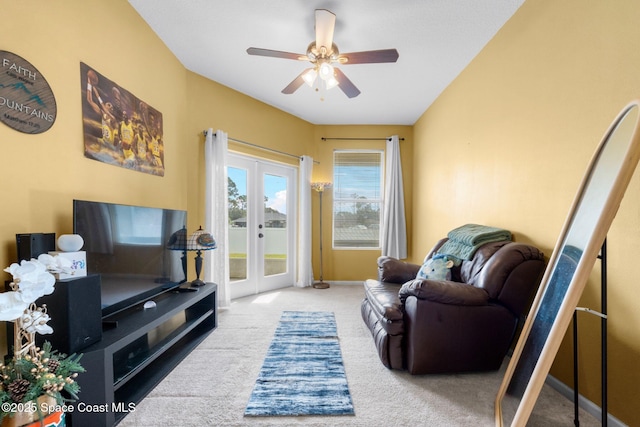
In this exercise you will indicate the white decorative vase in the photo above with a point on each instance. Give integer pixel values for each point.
(70, 242)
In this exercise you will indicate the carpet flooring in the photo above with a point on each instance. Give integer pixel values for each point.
(212, 385)
(302, 373)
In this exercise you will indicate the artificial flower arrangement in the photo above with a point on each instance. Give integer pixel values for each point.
(34, 375)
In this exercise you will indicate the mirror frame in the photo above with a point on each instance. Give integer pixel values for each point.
(529, 380)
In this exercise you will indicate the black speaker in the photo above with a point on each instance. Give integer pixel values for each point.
(30, 245)
(76, 314)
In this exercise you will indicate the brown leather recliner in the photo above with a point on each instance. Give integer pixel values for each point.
(467, 323)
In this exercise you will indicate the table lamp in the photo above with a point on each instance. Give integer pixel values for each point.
(200, 241)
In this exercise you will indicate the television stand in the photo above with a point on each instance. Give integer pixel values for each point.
(134, 357)
(181, 289)
(109, 324)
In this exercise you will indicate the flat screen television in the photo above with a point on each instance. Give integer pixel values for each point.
(127, 246)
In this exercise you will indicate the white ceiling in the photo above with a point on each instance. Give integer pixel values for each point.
(436, 39)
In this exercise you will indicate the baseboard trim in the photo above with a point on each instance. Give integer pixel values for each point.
(346, 282)
(583, 402)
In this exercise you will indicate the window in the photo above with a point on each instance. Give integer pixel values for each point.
(357, 198)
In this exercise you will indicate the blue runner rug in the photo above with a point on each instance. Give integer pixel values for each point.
(303, 372)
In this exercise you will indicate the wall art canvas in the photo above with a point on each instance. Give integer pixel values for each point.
(27, 103)
(119, 129)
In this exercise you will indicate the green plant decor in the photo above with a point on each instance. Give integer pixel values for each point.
(45, 372)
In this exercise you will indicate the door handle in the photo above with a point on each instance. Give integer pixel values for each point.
(260, 235)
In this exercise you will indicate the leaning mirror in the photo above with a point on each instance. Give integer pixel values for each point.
(570, 265)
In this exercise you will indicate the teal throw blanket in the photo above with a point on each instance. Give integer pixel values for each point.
(465, 240)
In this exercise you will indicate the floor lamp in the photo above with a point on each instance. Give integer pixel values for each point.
(320, 187)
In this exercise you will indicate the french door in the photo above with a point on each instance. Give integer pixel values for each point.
(262, 225)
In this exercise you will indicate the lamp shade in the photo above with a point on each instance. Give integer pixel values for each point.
(309, 76)
(201, 240)
(320, 186)
(178, 240)
(325, 71)
(331, 82)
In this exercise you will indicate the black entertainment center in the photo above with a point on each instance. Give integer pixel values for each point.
(132, 358)
(129, 262)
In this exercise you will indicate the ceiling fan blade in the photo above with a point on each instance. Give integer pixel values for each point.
(274, 53)
(345, 84)
(369, 57)
(295, 84)
(325, 24)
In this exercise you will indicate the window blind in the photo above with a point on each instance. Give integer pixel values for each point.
(357, 198)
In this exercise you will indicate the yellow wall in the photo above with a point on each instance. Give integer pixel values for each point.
(348, 264)
(244, 118)
(508, 142)
(42, 174)
(215, 106)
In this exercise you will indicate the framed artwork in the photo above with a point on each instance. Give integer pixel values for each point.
(27, 103)
(570, 265)
(119, 129)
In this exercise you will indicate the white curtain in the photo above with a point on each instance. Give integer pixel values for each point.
(305, 271)
(216, 265)
(394, 224)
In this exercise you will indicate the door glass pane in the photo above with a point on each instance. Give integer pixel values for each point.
(237, 193)
(275, 224)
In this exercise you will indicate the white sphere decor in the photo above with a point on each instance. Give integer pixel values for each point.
(70, 242)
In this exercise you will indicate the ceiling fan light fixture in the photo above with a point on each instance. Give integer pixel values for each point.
(309, 76)
(312, 52)
(331, 82)
(326, 71)
(322, 53)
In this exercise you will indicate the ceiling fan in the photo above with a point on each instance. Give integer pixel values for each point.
(322, 53)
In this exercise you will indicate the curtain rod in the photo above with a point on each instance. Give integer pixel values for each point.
(260, 147)
(360, 139)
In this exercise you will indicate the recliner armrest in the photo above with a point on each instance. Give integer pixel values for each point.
(395, 271)
(444, 291)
